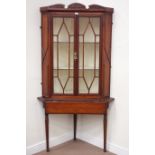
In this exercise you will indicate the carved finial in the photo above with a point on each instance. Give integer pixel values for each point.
(57, 6)
(96, 6)
(76, 6)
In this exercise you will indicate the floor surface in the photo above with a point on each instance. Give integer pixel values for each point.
(77, 147)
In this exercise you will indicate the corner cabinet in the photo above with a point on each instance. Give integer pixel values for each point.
(76, 61)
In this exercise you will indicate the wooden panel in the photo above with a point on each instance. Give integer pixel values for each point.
(106, 57)
(76, 6)
(76, 99)
(57, 6)
(45, 56)
(75, 108)
(96, 6)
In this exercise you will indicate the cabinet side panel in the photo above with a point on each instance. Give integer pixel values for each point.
(107, 32)
(45, 55)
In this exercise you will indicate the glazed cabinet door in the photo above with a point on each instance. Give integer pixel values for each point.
(63, 53)
(89, 54)
(76, 54)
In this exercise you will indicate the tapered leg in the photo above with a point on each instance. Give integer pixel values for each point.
(105, 132)
(75, 125)
(47, 132)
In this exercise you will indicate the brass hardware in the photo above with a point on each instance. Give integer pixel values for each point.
(75, 56)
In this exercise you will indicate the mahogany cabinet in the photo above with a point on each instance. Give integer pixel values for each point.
(76, 61)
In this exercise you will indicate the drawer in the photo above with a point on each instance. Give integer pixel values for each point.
(75, 108)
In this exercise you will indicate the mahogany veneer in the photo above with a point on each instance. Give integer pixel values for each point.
(59, 97)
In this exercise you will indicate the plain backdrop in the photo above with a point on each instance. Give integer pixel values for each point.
(13, 76)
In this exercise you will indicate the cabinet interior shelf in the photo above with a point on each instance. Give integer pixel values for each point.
(73, 69)
(82, 72)
(79, 42)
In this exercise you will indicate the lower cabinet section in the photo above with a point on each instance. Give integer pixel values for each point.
(75, 108)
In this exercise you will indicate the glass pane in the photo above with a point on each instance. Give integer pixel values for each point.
(94, 87)
(89, 55)
(82, 86)
(69, 86)
(89, 41)
(63, 46)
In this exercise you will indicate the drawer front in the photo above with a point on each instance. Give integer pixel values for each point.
(75, 108)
